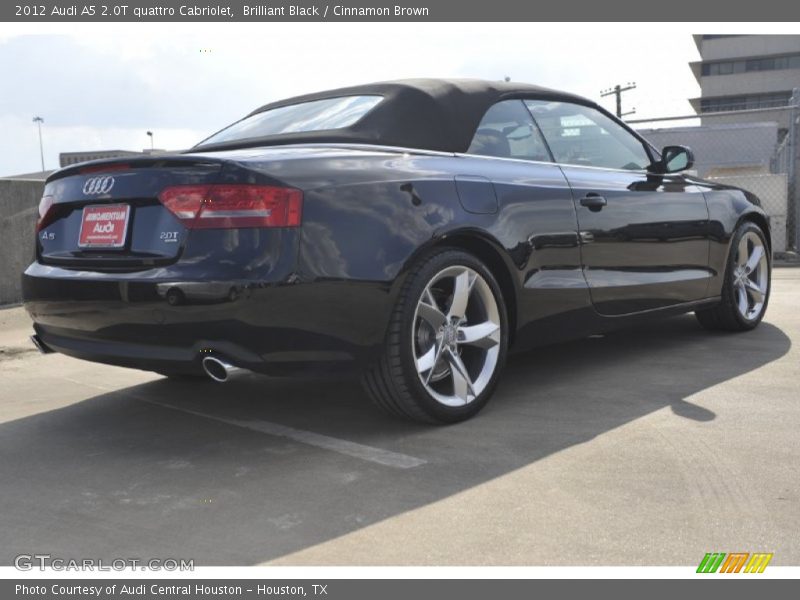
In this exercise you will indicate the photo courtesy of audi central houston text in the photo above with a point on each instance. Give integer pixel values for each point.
(409, 233)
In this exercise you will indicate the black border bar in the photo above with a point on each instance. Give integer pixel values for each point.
(733, 587)
(107, 11)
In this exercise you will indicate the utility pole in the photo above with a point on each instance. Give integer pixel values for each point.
(39, 120)
(617, 91)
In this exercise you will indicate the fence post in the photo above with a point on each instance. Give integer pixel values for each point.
(794, 157)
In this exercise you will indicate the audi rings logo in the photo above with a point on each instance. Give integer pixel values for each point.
(98, 185)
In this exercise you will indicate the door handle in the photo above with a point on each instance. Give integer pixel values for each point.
(594, 202)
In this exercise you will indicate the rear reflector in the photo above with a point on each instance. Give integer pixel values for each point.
(234, 206)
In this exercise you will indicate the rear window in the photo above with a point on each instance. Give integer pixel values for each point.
(317, 115)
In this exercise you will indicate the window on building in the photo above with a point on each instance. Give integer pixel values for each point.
(767, 63)
(745, 102)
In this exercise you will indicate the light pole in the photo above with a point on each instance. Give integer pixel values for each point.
(39, 120)
(150, 135)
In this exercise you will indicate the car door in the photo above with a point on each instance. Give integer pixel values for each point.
(644, 237)
(535, 221)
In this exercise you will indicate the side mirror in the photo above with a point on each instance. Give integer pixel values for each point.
(675, 159)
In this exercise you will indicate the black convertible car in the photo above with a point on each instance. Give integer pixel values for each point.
(412, 231)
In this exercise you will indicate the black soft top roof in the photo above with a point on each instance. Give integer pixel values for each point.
(430, 114)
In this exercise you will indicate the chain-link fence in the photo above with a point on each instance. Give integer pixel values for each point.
(755, 149)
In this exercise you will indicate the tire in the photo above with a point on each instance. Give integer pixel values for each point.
(747, 285)
(446, 342)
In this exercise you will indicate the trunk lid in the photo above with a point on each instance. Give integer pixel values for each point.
(108, 216)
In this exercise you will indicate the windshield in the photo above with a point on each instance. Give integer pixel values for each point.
(317, 115)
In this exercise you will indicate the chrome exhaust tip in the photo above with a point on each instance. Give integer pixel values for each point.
(220, 370)
(40, 345)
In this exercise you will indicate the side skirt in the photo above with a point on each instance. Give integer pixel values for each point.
(589, 322)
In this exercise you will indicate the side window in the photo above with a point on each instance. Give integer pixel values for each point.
(580, 135)
(508, 131)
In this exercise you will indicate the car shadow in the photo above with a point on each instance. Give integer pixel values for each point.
(171, 469)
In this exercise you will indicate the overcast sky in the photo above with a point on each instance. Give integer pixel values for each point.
(102, 87)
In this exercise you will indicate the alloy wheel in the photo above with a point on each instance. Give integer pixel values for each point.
(456, 336)
(750, 276)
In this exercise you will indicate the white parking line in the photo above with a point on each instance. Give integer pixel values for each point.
(370, 453)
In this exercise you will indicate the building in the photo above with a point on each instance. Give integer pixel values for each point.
(747, 80)
(70, 158)
(746, 72)
(36, 176)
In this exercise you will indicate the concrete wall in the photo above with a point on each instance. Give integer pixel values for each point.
(19, 203)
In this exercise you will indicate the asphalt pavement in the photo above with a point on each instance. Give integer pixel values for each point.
(651, 446)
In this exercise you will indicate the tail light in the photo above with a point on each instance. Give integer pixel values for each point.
(234, 206)
(46, 213)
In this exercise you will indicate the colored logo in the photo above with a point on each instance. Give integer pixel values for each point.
(735, 562)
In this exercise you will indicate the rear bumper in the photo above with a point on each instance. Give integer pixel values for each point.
(148, 321)
(147, 357)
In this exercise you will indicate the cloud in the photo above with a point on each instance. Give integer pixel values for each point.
(102, 88)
